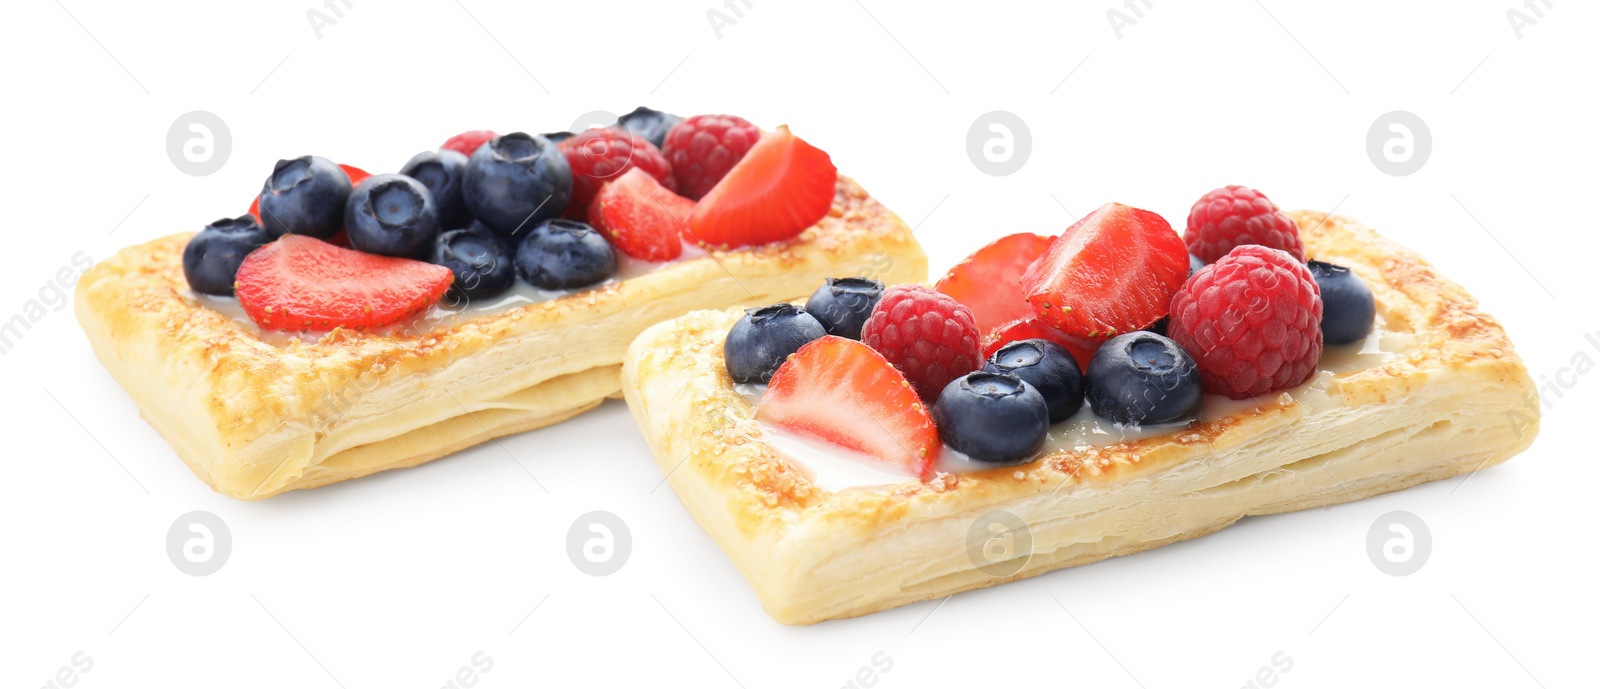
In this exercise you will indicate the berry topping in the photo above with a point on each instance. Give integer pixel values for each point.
(1195, 264)
(641, 218)
(517, 181)
(564, 254)
(467, 143)
(1032, 328)
(1234, 216)
(481, 268)
(391, 215)
(557, 137)
(212, 257)
(1143, 378)
(1348, 308)
(441, 172)
(843, 304)
(1112, 272)
(301, 283)
(597, 156)
(841, 392)
(703, 148)
(1049, 368)
(762, 338)
(989, 281)
(1252, 321)
(305, 195)
(783, 186)
(653, 125)
(930, 337)
(992, 417)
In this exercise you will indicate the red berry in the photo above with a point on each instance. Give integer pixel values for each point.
(354, 173)
(989, 281)
(1252, 321)
(597, 156)
(640, 217)
(783, 186)
(1112, 272)
(703, 148)
(466, 143)
(1033, 328)
(840, 391)
(1234, 216)
(930, 337)
(303, 283)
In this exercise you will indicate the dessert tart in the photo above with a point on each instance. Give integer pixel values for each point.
(344, 328)
(879, 468)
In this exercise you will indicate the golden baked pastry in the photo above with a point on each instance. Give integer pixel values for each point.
(1445, 394)
(255, 418)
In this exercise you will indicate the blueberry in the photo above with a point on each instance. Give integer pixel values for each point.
(1049, 368)
(212, 258)
(563, 254)
(843, 304)
(441, 172)
(1195, 264)
(1143, 378)
(517, 181)
(482, 269)
(992, 417)
(557, 137)
(764, 337)
(1160, 327)
(391, 215)
(1347, 305)
(306, 196)
(652, 125)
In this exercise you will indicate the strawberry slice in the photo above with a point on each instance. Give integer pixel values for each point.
(354, 173)
(842, 392)
(782, 186)
(304, 283)
(1112, 272)
(640, 217)
(1033, 328)
(990, 280)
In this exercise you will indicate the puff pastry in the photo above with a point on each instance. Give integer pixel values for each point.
(254, 419)
(1452, 396)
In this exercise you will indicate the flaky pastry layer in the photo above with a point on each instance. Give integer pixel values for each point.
(1454, 398)
(254, 419)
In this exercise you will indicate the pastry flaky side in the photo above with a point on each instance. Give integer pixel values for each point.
(1453, 397)
(255, 419)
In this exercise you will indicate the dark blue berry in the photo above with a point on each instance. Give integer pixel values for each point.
(651, 125)
(481, 268)
(992, 417)
(843, 304)
(764, 337)
(212, 258)
(564, 254)
(391, 215)
(557, 137)
(1348, 308)
(517, 181)
(1195, 264)
(442, 172)
(1143, 378)
(306, 196)
(1049, 368)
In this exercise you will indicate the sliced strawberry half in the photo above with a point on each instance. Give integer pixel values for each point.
(990, 280)
(782, 186)
(640, 217)
(1033, 328)
(1112, 272)
(354, 173)
(304, 283)
(842, 392)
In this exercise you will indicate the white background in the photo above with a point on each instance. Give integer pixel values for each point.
(397, 580)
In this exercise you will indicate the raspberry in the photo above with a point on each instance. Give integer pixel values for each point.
(929, 336)
(597, 156)
(1252, 321)
(1234, 216)
(703, 148)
